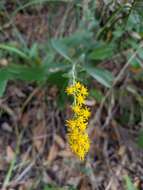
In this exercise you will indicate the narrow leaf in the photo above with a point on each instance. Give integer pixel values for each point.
(140, 139)
(22, 72)
(101, 75)
(13, 49)
(3, 84)
(61, 48)
(102, 52)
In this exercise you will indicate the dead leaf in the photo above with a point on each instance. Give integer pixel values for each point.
(27, 185)
(3, 62)
(66, 153)
(9, 154)
(39, 137)
(59, 141)
(46, 178)
(6, 127)
(25, 120)
(137, 183)
(2, 163)
(53, 91)
(74, 181)
(84, 185)
(98, 133)
(122, 151)
(52, 153)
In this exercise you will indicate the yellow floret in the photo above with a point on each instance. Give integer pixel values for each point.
(76, 109)
(81, 124)
(70, 90)
(80, 111)
(76, 124)
(71, 124)
(79, 143)
(78, 85)
(80, 100)
(84, 91)
(86, 113)
(77, 135)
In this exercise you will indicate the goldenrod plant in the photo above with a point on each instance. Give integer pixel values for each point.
(77, 135)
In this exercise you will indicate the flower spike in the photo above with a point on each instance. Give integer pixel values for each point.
(77, 135)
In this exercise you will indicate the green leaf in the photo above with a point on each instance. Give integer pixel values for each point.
(33, 73)
(33, 51)
(58, 79)
(81, 37)
(48, 187)
(134, 22)
(3, 84)
(135, 63)
(61, 48)
(97, 94)
(101, 75)
(102, 52)
(52, 187)
(13, 49)
(55, 67)
(140, 53)
(140, 139)
(129, 184)
(4, 75)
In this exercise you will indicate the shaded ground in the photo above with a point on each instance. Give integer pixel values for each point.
(44, 157)
(32, 125)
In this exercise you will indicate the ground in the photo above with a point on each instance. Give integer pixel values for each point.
(34, 152)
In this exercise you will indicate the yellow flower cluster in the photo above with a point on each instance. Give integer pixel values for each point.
(77, 135)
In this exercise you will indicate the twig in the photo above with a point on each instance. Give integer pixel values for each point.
(115, 82)
(10, 170)
(35, 91)
(116, 174)
(60, 30)
(21, 176)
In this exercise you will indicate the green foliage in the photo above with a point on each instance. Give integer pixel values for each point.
(49, 187)
(3, 84)
(14, 50)
(84, 47)
(99, 37)
(97, 94)
(87, 48)
(61, 48)
(140, 139)
(53, 187)
(129, 184)
(101, 75)
(105, 51)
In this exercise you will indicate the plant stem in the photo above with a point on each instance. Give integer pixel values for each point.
(74, 79)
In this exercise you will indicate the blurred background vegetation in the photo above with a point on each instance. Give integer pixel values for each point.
(40, 41)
